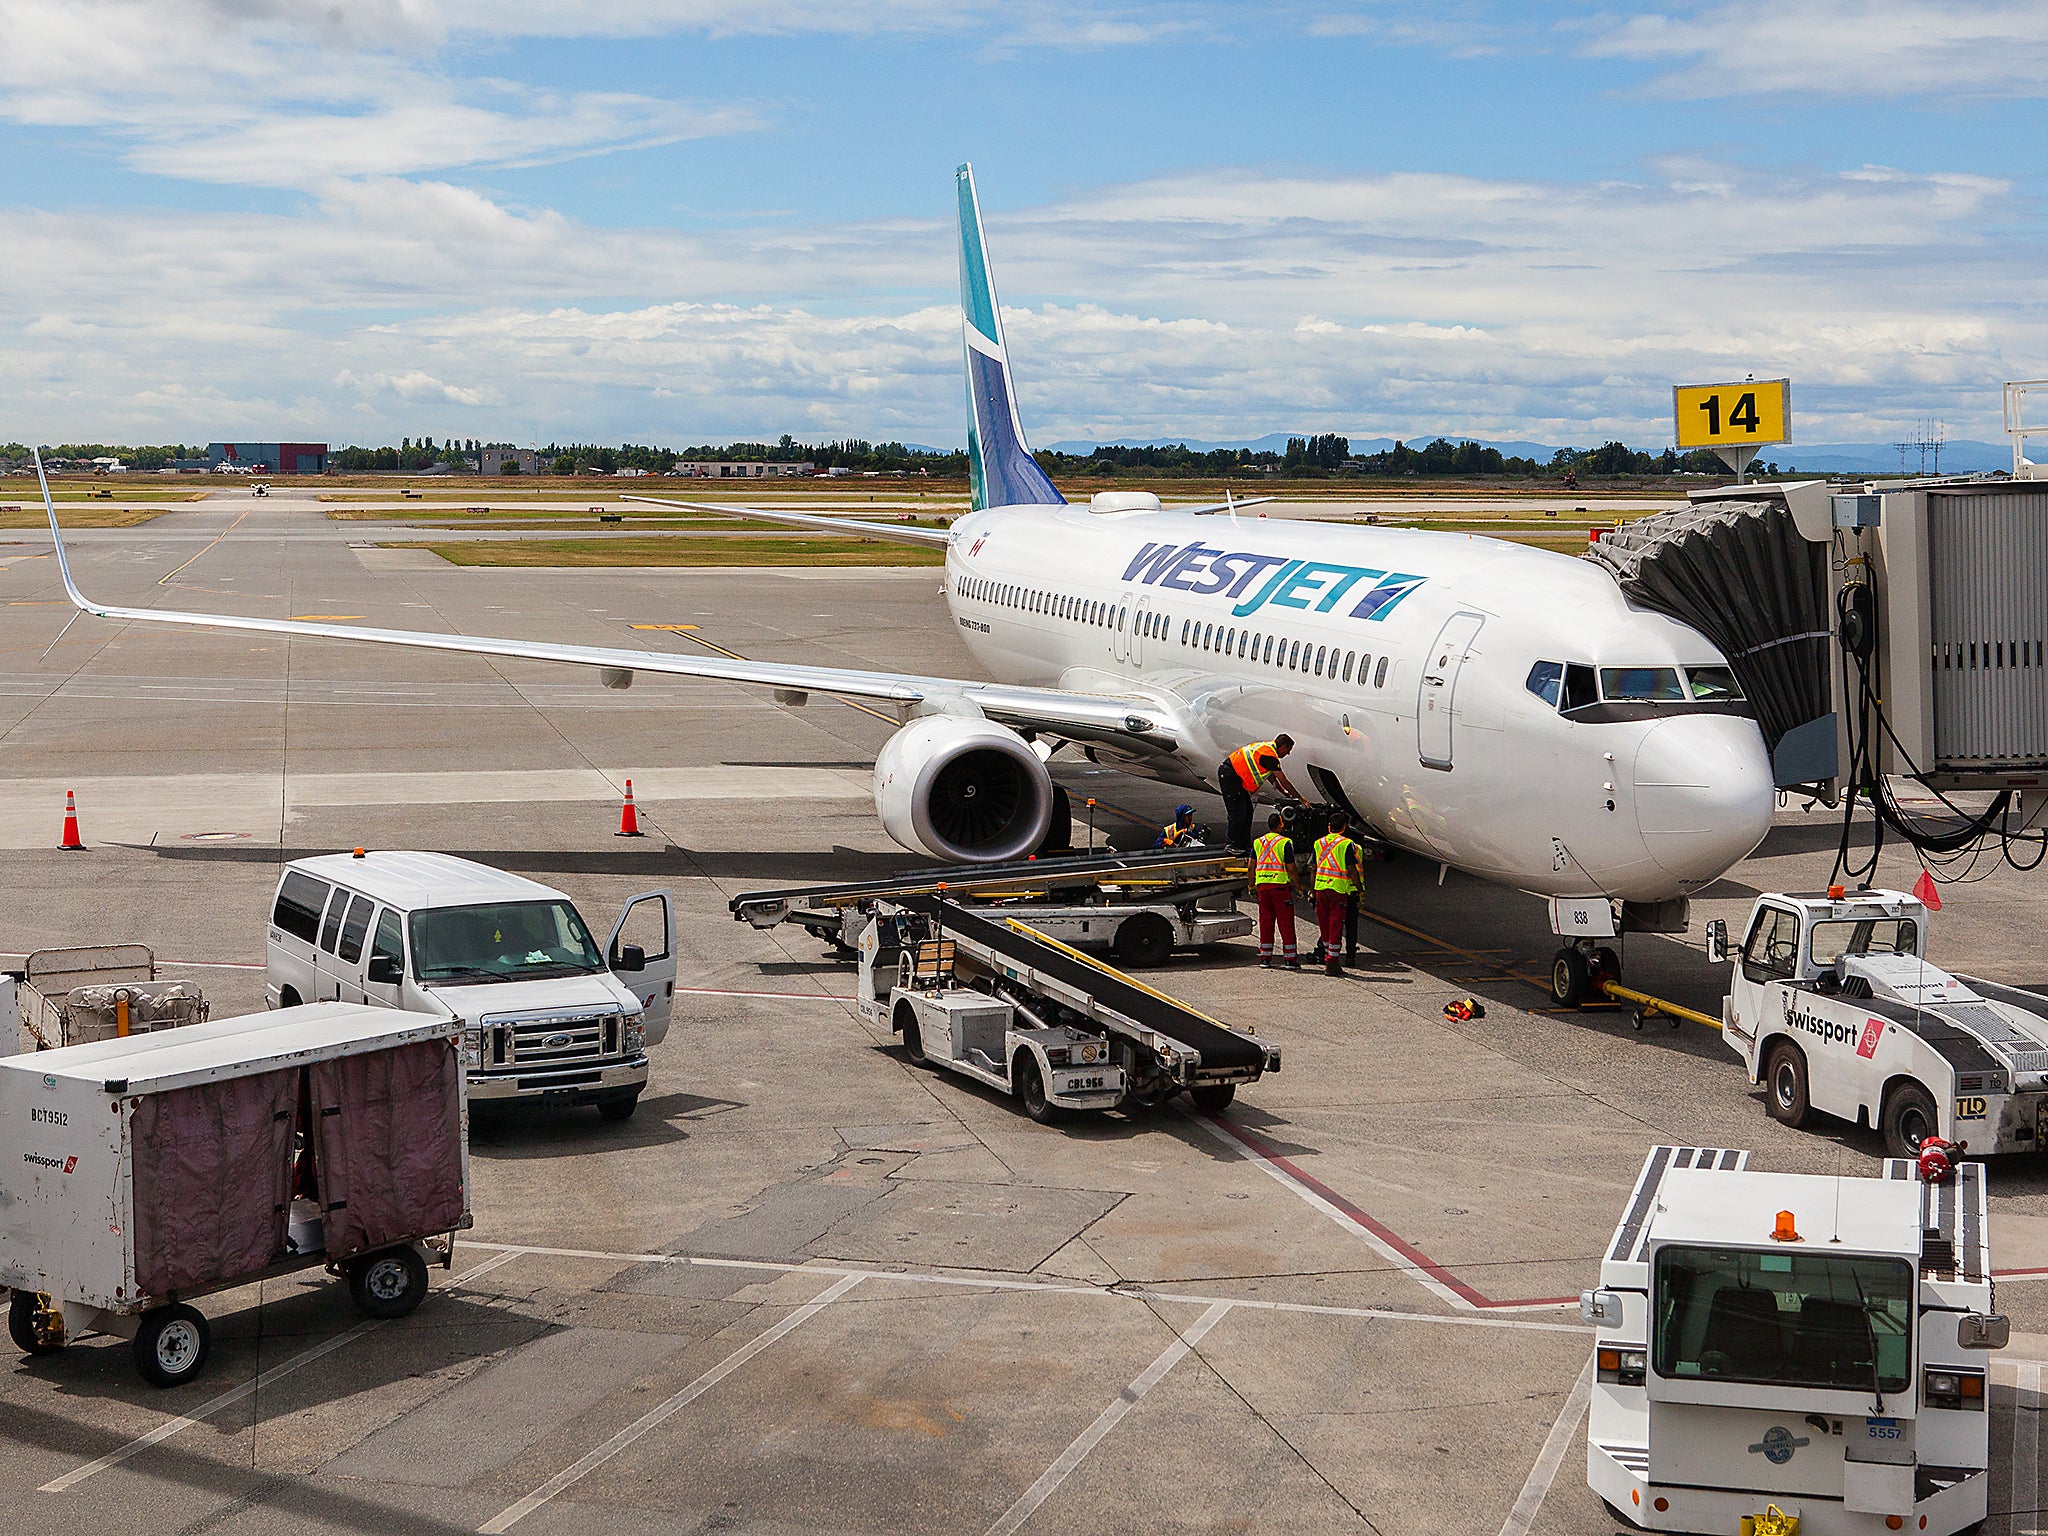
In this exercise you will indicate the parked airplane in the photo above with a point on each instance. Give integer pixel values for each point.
(1500, 709)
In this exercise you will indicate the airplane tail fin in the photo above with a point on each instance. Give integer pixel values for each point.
(998, 459)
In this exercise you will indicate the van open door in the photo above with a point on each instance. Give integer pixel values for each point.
(647, 923)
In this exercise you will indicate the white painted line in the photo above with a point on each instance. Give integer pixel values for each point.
(1054, 1288)
(1050, 1479)
(233, 1395)
(2025, 1494)
(1555, 1444)
(512, 1515)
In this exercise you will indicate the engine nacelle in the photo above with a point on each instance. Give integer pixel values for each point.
(966, 790)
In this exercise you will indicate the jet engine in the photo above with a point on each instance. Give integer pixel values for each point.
(966, 790)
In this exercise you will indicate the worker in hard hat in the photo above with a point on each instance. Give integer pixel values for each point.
(1243, 774)
(1273, 887)
(1179, 832)
(1338, 869)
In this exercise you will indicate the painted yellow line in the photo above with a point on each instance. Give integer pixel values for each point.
(672, 628)
(231, 527)
(324, 618)
(688, 631)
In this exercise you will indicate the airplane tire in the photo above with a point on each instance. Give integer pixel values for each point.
(1909, 1118)
(1569, 978)
(1785, 1085)
(1606, 964)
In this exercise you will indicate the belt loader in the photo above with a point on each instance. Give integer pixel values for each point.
(1834, 1009)
(1793, 1352)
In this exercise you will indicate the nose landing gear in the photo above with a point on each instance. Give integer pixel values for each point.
(1580, 971)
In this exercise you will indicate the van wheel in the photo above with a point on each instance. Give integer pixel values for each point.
(912, 1033)
(1569, 975)
(1144, 940)
(172, 1347)
(1785, 1085)
(388, 1284)
(21, 1325)
(1031, 1089)
(1909, 1118)
(289, 998)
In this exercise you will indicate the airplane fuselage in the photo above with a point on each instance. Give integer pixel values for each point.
(1400, 661)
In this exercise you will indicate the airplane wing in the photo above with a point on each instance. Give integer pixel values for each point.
(902, 533)
(1135, 723)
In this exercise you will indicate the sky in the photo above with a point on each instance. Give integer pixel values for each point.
(693, 221)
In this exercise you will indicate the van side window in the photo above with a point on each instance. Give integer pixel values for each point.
(299, 901)
(353, 929)
(1771, 952)
(390, 941)
(331, 929)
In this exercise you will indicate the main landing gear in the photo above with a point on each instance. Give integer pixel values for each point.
(1581, 970)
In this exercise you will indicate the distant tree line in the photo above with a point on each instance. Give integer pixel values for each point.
(1330, 455)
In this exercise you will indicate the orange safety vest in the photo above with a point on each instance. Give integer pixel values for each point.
(1271, 856)
(1246, 761)
(1333, 864)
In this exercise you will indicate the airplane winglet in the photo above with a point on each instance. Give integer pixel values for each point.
(78, 599)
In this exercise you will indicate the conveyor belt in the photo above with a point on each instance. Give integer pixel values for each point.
(1034, 874)
(1220, 1047)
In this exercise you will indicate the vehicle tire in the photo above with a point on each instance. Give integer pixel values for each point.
(21, 1325)
(1607, 964)
(912, 1033)
(1909, 1118)
(1030, 1084)
(1144, 941)
(1213, 1100)
(172, 1346)
(389, 1283)
(1785, 1085)
(289, 998)
(620, 1108)
(1569, 977)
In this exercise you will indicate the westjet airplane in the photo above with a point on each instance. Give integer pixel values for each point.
(1495, 708)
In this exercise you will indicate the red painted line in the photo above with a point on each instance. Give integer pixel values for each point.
(213, 965)
(2018, 1274)
(801, 997)
(1378, 1229)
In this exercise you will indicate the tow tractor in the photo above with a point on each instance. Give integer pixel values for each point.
(991, 999)
(1793, 1352)
(1834, 1009)
(1140, 906)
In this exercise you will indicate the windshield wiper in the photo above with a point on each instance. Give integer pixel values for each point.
(452, 972)
(1870, 1333)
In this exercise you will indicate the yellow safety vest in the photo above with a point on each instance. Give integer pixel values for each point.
(1246, 761)
(1174, 832)
(1333, 864)
(1271, 856)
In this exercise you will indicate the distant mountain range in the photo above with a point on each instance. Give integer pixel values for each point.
(1958, 456)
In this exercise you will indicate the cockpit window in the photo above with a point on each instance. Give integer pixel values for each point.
(1580, 691)
(1641, 685)
(1546, 680)
(1713, 685)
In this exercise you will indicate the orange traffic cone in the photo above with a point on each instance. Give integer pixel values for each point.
(629, 819)
(72, 843)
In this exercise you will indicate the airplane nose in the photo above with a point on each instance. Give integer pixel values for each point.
(1704, 796)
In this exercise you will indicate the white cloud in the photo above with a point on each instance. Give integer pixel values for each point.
(1884, 48)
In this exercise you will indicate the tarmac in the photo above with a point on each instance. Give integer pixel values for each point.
(810, 1287)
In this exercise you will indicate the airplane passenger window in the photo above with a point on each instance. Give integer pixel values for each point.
(1242, 637)
(1713, 685)
(1294, 656)
(1546, 681)
(1184, 630)
(1641, 685)
(1229, 641)
(1364, 667)
(1579, 688)
(1379, 678)
(1321, 651)
(1348, 655)
(1268, 657)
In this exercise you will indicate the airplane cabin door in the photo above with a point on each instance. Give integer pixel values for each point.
(1434, 705)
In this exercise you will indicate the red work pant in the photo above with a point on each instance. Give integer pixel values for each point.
(1330, 922)
(1276, 908)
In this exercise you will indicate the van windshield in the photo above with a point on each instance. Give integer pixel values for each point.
(1784, 1319)
(504, 941)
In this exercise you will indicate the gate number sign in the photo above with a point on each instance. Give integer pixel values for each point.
(1751, 414)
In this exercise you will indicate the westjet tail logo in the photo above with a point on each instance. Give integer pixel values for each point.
(1256, 580)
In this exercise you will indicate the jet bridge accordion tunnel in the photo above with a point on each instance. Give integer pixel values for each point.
(1947, 582)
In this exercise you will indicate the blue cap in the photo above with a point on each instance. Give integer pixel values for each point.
(1183, 810)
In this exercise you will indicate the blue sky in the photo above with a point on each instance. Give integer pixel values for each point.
(690, 220)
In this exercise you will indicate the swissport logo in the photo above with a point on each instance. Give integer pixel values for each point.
(1254, 580)
(61, 1164)
(1872, 1033)
(1827, 1031)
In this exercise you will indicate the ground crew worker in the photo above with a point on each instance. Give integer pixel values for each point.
(1273, 885)
(1338, 869)
(1180, 830)
(1243, 773)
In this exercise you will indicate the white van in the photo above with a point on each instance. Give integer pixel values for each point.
(545, 1013)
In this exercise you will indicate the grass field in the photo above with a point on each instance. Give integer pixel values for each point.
(683, 551)
(91, 514)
